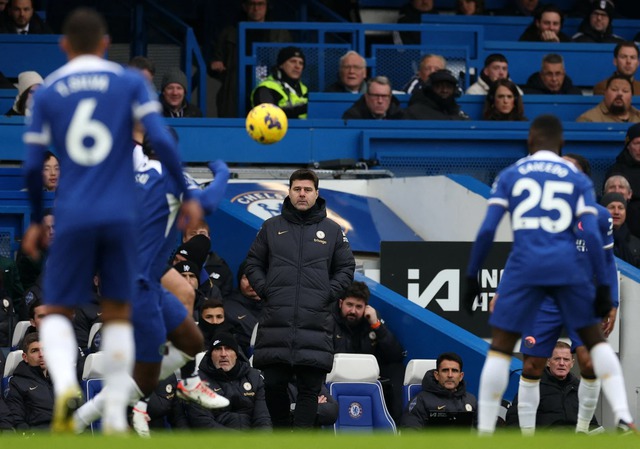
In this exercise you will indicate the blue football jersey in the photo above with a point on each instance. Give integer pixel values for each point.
(159, 199)
(545, 196)
(86, 110)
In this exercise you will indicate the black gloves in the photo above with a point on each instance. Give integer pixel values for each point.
(603, 304)
(470, 291)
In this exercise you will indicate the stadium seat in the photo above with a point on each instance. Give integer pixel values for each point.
(413, 374)
(92, 334)
(354, 385)
(92, 380)
(18, 333)
(10, 365)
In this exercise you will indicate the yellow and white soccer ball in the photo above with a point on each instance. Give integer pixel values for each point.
(267, 123)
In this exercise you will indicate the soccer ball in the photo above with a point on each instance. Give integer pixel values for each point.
(266, 123)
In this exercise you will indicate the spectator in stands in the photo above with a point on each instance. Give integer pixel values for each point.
(86, 316)
(328, 407)
(597, 26)
(627, 167)
(50, 172)
(470, 7)
(243, 309)
(443, 390)
(496, 67)
(546, 26)
(626, 246)
(29, 269)
(503, 102)
(20, 19)
(3, 5)
(359, 330)
(520, 8)
(145, 65)
(378, 103)
(625, 59)
(437, 99)
(411, 13)
(552, 78)
(224, 63)
(284, 87)
(616, 105)
(217, 271)
(558, 393)
(428, 64)
(212, 321)
(28, 83)
(351, 75)
(237, 381)
(30, 396)
(173, 96)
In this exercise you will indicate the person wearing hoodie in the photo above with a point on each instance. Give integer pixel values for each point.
(237, 381)
(443, 390)
(378, 103)
(597, 26)
(28, 83)
(173, 90)
(283, 87)
(552, 78)
(436, 100)
(496, 67)
(30, 396)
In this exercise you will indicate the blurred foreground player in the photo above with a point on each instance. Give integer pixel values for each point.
(87, 110)
(546, 197)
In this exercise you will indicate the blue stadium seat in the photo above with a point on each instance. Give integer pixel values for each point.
(413, 374)
(92, 381)
(353, 383)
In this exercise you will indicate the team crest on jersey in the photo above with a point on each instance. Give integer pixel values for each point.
(530, 341)
(355, 410)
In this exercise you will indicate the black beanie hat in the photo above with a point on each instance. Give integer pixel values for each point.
(188, 266)
(632, 133)
(287, 53)
(195, 249)
(611, 197)
(602, 5)
(224, 339)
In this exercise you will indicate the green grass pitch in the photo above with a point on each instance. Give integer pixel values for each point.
(322, 440)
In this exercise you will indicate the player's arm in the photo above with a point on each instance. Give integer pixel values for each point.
(211, 196)
(479, 253)
(593, 240)
(181, 289)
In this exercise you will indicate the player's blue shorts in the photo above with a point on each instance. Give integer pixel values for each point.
(540, 336)
(517, 305)
(155, 313)
(77, 255)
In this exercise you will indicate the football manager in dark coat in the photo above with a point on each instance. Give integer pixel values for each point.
(300, 264)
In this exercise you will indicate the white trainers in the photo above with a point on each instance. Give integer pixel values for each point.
(140, 421)
(200, 394)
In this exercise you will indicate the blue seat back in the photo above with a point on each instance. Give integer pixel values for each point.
(361, 407)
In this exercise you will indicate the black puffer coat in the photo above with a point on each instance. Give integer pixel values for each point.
(300, 264)
(30, 397)
(435, 397)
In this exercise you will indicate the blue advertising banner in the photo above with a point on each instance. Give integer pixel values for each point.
(366, 221)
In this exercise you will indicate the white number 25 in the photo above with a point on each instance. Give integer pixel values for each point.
(545, 198)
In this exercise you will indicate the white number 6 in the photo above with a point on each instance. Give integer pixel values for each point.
(83, 128)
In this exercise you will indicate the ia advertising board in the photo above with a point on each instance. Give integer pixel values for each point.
(432, 274)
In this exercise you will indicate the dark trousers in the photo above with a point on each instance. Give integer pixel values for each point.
(308, 381)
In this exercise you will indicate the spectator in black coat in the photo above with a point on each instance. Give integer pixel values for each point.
(30, 397)
(412, 13)
(20, 18)
(620, 184)
(233, 378)
(437, 99)
(378, 103)
(626, 246)
(597, 26)
(443, 389)
(359, 330)
(546, 26)
(552, 78)
(558, 393)
(173, 96)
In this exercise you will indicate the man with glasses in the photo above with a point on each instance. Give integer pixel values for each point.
(377, 103)
(352, 74)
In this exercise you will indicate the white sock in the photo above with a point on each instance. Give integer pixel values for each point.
(141, 406)
(493, 382)
(608, 369)
(173, 360)
(588, 393)
(118, 348)
(528, 401)
(92, 410)
(60, 349)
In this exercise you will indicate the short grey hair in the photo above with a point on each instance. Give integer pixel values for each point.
(552, 58)
(433, 55)
(611, 179)
(355, 53)
(379, 80)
